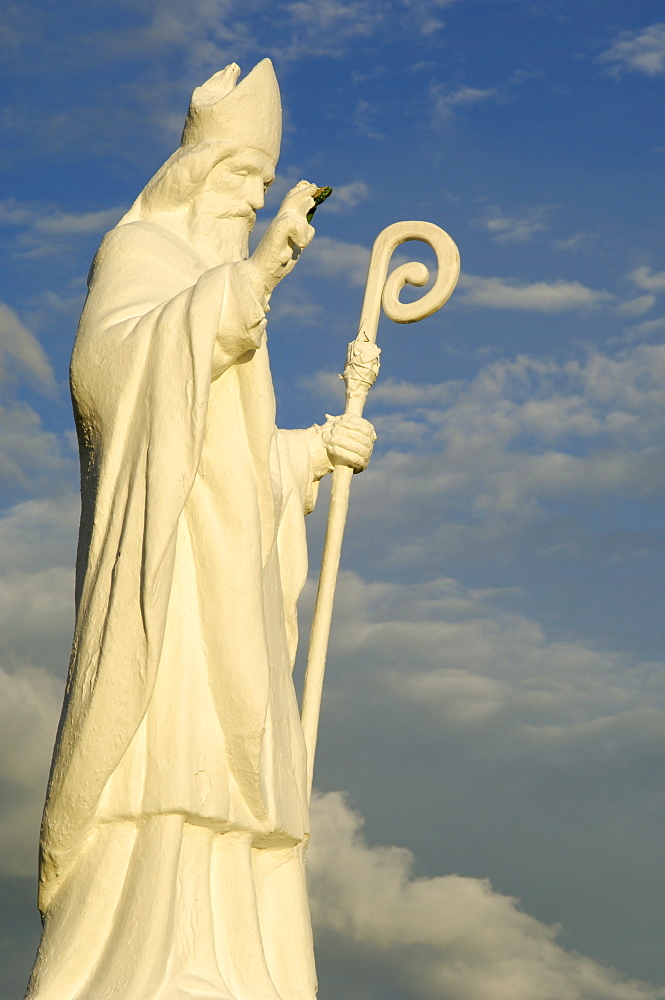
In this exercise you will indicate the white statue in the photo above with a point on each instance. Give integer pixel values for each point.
(177, 811)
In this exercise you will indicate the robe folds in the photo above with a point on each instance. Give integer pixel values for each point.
(192, 554)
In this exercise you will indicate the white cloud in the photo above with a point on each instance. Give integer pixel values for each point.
(516, 228)
(641, 51)
(32, 459)
(445, 102)
(37, 617)
(208, 34)
(394, 392)
(540, 296)
(578, 241)
(347, 196)
(487, 724)
(172, 47)
(46, 229)
(650, 281)
(609, 398)
(30, 700)
(39, 534)
(74, 223)
(649, 328)
(295, 305)
(324, 26)
(21, 351)
(15, 213)
(365, 116)
(430, 26)
(450, 936)
(632, 380)
(468, 466)
(473, 664)
(338, 259)
(37, 552)
(637, 306)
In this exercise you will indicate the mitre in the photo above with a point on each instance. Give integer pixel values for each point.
(247, 114)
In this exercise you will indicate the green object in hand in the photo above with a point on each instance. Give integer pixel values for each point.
(319, 195)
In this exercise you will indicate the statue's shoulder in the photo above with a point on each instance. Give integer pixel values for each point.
(140, 244)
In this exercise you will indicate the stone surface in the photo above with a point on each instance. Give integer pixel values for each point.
(177, 811)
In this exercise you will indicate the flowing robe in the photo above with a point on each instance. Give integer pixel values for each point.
(179, 700)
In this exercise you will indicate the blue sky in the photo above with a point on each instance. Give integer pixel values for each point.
(490, 817)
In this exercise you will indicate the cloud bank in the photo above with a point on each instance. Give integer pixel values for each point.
(641, 51)
(450, 936)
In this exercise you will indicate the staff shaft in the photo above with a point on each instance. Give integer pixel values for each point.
(323, 608)
(362, 366)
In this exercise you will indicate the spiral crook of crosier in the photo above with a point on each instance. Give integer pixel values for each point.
(382, 289)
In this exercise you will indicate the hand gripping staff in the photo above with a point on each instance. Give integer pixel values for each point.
(360, 371)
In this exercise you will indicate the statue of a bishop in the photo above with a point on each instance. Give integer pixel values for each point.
(177, 815)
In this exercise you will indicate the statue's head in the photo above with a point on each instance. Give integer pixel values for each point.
(228, 152)
(247, 114)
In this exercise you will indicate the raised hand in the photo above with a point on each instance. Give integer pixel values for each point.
(285, 237)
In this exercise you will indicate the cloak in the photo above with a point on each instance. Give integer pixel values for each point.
(191, 558)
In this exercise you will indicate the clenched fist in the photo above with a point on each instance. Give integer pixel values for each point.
(349, 440)
(285, 237)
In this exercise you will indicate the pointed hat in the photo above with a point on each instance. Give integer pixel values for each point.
(249, 114)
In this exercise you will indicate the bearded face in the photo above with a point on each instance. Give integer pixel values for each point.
(235, 187)
(208, 194)
(209, 190)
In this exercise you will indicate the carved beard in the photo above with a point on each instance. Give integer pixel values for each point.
(221, 240)
(216, 240)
